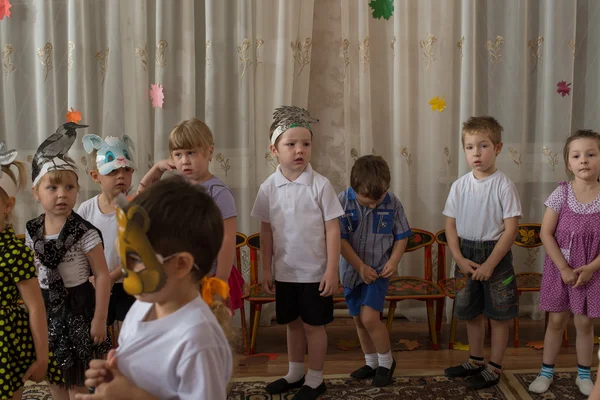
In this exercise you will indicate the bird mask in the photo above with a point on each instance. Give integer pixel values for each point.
(112, 152)
(6, 182)
(288, 117)
(132, 224)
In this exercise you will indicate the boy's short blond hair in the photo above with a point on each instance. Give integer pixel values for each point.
(191, 134)
(484, 125)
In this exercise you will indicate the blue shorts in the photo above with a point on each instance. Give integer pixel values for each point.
(372, 295)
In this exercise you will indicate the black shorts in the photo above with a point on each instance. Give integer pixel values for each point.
(119, 305)
(293, 300)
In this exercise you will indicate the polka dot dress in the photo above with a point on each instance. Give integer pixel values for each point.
(17, 352)
(578, 237)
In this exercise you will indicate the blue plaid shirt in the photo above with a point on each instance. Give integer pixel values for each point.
(371, 232)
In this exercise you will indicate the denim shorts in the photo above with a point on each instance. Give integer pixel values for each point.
(496, 298)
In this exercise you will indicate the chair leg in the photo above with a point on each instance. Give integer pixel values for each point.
(244, 327)
(516, 333)
(439, 314)
(431, 319)
(255, 328)
(390, 318)
(452, 328)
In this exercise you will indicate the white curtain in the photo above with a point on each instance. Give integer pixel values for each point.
(368, 81)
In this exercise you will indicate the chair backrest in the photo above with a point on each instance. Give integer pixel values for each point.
(240, 241)
(422, 239)
(440, 238)
(528, 235)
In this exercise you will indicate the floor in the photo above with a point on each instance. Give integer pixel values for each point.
(272, 340)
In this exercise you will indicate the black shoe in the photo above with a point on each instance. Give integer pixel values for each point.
(384, 376)
(281, 385)
(363, 372)
(478, 382)
(461, 372)
(308, 393)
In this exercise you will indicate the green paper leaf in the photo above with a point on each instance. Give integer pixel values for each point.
(382, 8)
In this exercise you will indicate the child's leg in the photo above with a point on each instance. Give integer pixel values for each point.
(316, 336)
(378, 335)
(585, 346)
(499, 340)
(557, 322)
(476, 335)
(18, 394)
(77, 390)
(366, 344)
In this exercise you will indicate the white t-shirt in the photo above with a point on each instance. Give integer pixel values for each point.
(297, 212)
(75, 267)
(183, 356)
(480, 206)
(107, 224)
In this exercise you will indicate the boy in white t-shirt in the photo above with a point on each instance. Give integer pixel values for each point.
(482, 213)
(111, 166)
(173, 344)
(300, 237)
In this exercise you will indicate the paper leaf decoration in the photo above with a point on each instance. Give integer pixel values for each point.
(5, 9)
(596, 339)
(157, 95)
(73, 116)
(538, 345)
(410, 344)
(382, 8)
(437, 104)
(255, 359)
(563, 88)
(347, 344)
(460, 346)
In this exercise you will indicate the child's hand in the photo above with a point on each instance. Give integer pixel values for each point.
(108, 381)
(389, 269)
(92, 281)
(367, 274)
(37, 371)
(482, 273)
(466, 267)
(569, 276)
(156, 173)
(329, 284)
(98, 330)
(267, 283)
(99, 371)
(584, 275)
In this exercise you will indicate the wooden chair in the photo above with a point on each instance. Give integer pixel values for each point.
(528, 237)
(240, 241)
(415, 288)
(257, 296)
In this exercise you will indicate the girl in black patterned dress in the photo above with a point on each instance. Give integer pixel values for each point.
(23, 336)
(68, 249)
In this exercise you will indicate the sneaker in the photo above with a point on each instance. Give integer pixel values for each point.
(460, 371)
(308, 393)
(585, 386)
(540, 384)
(281, 385)
(384, 376)
(478, 382)
(363, 372)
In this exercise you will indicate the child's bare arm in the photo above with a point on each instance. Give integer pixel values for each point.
(330, 280)
(266, 255)
(227, 251)
(484, 272)
(367, 273)
(100, 269)
(155, 173)
(549, 223)
(391, 266)
(465, 266)
(116, 274)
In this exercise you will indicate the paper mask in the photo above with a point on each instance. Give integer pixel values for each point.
(113, 152)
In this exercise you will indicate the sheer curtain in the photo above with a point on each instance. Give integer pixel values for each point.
(368, 81)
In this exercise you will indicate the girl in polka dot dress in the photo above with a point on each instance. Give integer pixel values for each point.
(23, 337)
(571, 281)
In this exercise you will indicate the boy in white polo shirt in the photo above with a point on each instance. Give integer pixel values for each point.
(482, 215)
(300, 236)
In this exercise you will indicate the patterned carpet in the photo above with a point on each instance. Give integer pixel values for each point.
(563, 386)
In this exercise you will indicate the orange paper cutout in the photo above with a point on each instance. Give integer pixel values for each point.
(347, 344)
(410, 344)
(261, 358)
(538, 345)
(73, 116)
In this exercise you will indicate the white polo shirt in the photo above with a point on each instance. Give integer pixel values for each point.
(480, 206)
(297, 212)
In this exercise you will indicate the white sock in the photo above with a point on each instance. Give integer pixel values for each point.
(295, 372)
(385, 360)
(313, 378)
(372, 360)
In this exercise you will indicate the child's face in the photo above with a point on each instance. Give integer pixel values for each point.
(366, 201)
(58, 198)
(481, 152)
(6, 206)
(293, 149)
(116, 182)
(192, 163)
(583, 159)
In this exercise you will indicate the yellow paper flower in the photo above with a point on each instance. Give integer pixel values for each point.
(437, 104)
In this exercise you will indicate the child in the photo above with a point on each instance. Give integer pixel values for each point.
(171, 345)
(571, 282)
(482, 213)
(374, 236)
(25, 355)
(191, 146)
(300, 237)
(66, 246)
(113, 168)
